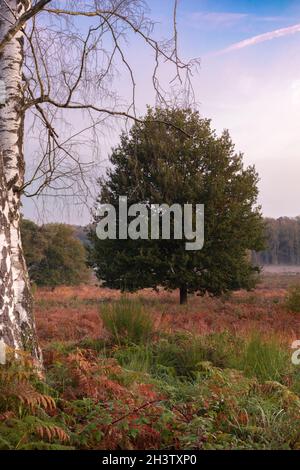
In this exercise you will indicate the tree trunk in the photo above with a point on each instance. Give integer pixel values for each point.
(17, 328)
(183, 295)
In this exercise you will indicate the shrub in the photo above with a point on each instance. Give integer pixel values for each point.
(293, 299)
(127, 322)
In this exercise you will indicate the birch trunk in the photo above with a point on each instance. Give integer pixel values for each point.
(17, 328)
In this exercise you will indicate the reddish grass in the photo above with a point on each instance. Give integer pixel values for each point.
(72, 313)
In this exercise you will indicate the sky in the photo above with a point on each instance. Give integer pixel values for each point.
(248, 82)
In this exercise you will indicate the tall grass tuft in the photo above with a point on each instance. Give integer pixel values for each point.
(127, 322)
(180, 353)
(266, 360)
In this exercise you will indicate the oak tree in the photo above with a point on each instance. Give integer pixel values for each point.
(187, 163)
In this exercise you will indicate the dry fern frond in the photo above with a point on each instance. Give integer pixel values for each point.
(16, 384)
(7, 415)
(34, 399)
(52, 432)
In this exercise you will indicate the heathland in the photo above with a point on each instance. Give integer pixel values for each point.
(142, 372)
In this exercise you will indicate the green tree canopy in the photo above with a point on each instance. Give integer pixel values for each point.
(182, 163)
(34, 245)
(53, 255)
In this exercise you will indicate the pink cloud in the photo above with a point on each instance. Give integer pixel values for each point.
(278, 33)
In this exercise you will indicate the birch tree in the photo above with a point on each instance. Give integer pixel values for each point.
(59, 59)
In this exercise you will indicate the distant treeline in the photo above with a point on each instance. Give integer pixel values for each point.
(282, 242)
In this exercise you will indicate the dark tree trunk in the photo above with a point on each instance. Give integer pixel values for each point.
(183, 295)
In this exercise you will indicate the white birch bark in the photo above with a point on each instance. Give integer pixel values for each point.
(17, 327)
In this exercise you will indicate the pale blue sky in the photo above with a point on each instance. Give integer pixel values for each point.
(247, 83)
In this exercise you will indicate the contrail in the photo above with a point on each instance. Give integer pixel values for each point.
(278, 33)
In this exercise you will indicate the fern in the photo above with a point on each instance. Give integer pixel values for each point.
(19, 385)
(25, 412)
(40, 445)
(52, 432)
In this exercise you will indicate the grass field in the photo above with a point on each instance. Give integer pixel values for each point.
(143, 372)
(72, 314)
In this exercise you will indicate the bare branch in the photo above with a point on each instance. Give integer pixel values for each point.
(75, 65)
(20, 23)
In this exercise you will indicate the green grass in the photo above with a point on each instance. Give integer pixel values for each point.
(181, 355)
(266, 360)
(138, 358)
